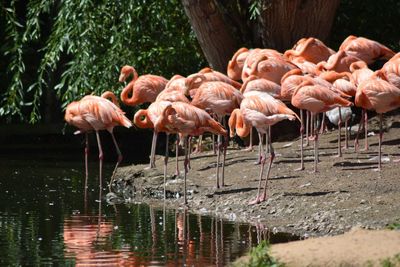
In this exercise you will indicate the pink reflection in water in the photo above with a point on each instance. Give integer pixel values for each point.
(86, 239)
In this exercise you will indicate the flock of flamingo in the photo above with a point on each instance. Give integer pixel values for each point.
(311, 77)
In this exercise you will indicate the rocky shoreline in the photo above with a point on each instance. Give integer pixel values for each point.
(346, 192)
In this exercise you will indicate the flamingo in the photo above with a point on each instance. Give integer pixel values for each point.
(187, 120)
(316, 98)
(143, 89)
(254, 55)
(343, 84)
(94, 113)
(270, 68)
(378, 94)
(339, 62)
(365, 49)
(235, 65)
(391, 70)
(208, 75)
(213, 75)
(221, 99)
(360, 73)
(252, 84)
(260, 110)
(309, 49)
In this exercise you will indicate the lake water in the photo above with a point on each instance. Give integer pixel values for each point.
(44, 221)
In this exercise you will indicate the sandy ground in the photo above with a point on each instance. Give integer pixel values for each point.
(346, 192)
(357, 247)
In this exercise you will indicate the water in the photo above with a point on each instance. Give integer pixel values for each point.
(43, 221)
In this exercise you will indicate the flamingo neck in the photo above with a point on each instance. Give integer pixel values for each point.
(236, 122)
(125, 98)
(142, 120)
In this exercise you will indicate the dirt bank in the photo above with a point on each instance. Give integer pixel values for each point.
(346, 192)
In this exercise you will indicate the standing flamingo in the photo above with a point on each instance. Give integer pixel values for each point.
(187, 120)
(221, 99)
(359, 73)
(316, 98)
(261, 111)
(255, 84)
(97, 113)
(143, 89)
(379, 95)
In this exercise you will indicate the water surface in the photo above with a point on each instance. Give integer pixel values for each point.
(43, 221)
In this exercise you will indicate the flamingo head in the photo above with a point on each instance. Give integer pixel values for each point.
(125, 72)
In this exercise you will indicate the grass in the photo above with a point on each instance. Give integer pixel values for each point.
(258, 257)
(394, 226)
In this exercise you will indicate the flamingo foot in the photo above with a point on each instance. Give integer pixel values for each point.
(311, 138)
(255, 201)
(258, 162)
(263, 197)
(299, 169)
(249, 148)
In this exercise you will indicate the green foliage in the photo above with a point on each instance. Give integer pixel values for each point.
(391, 262)
(255, 9)
(77, 48)
(259, 257)
(394, 226)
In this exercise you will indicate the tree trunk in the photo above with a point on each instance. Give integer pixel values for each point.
(283, 22)
(213, 34)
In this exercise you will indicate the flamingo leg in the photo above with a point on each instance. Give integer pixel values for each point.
(153, 150)
(257, 200)
(224, 147)
(267, 137)
(380, 142)
(190, 150)
(359, 129)
(250, 147)
(339, 134)
(301, 142)
(213, 144)
(322, 128)
(165, 165)
(307, 126)
(185, 163)
(199, 145)
(177, 155)
(315, 146)
(118, 162)
(218, 159)
(101, 156)
(346, 134)
(86, 165)
(366, 131)
(260, 148)
(271, 158)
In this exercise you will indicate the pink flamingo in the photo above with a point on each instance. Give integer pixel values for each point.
(315, 98)
(261, 111)
(365, 49)
(143, 89)
(94, 113)
(187, 120)
(379, 95)
(221, 99)
(310, 49)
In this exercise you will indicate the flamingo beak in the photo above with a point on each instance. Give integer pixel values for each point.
(122, 77)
